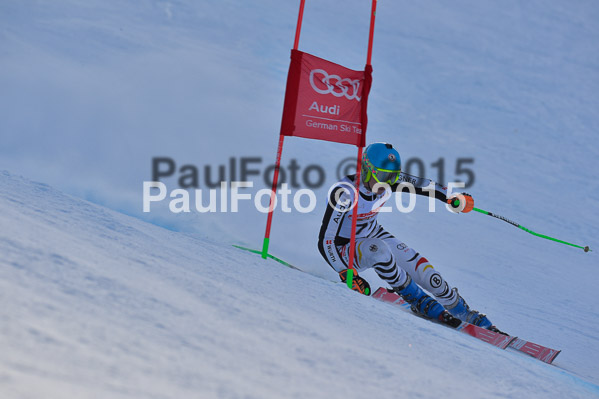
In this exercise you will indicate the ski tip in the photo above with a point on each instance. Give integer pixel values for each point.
(554, 356)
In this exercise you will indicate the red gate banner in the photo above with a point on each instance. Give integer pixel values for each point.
(325, 101)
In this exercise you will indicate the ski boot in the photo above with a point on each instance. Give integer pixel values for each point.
(462, 311)
(423, 305)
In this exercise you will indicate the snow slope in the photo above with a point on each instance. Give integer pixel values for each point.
(99, 304)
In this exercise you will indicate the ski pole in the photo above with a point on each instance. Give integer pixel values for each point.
(586, 248)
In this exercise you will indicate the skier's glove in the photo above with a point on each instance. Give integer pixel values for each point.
(461, 203)
(358, 283)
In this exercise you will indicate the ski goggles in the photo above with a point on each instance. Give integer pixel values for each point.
(386, 176)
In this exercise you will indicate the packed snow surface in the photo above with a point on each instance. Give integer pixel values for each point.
(99, 304)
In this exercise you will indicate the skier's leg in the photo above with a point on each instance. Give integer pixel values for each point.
(425, 275)
(422, 271)
(375, 253)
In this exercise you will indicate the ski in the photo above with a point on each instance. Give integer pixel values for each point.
(539, 352)
(499, 340)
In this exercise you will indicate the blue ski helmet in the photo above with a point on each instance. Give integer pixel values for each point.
(381, 161)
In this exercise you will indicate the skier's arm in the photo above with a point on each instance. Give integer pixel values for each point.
(335, 215)
(422, 186)
(457, 202)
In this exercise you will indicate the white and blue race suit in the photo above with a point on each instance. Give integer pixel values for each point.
(375, 247)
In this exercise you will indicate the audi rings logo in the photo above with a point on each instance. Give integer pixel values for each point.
(335, 85)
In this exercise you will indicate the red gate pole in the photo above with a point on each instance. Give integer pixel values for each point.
(371, 34)
(352, 245)
(298, 28)
(275, 179)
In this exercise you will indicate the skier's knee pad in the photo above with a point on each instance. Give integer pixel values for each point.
(373, 251)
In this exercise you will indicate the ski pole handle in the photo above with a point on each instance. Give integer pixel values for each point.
(518, 225)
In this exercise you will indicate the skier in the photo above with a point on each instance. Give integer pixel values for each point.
(404, 269)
